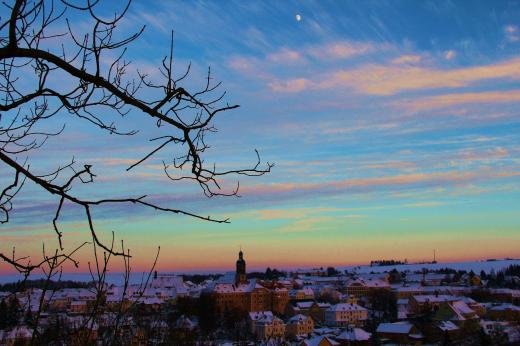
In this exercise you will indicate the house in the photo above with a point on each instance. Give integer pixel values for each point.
(406, 291)
(400, 333)
(78, 307)
(269, 327)
(319, 341)
(19, 335)
(504, 312)
(345, 314)
(420, 304)
(317, 311)
(183, 329)
(305, 293)
(448, 330)
(255, 316)
(500, 332)
(403, 308)
(426, 279)
(363, 288)
(185, 323)
(299, 325)
(308, 308)
(455, 311)
(354, 337)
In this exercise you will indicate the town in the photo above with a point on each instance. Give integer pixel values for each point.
(315, 307)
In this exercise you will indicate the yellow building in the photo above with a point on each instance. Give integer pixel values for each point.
(265, 325)
(299, 325)
(238, 293)
(345, 314)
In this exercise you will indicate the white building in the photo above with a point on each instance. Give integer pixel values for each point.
(345, 314)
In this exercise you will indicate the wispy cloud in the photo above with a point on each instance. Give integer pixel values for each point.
(407, 59)
(511, 32)
(450, 54)
(286, 56)
(379, 79)
(457, 99)
(343, 49)
(291, 86)
(319, 223)
(390, 182)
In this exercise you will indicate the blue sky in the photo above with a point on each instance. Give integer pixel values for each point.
(393, 126)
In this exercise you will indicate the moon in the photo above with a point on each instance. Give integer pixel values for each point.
(298, 17)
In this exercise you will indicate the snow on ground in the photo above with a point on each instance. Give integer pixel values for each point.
(476, 266)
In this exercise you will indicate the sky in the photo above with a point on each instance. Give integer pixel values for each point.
(393, 126)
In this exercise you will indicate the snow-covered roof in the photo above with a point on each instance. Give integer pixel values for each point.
(185, 323)
(298, 318)
(404, 289)
(356, 334)
(78, 302)
(370, 283)
(149, 300)
(347, 307)
(227, 278)
(265, 317)
(317, 340)
(18, 332)
(256, 315)
(232, 288)
(395, 328)
(304, 305)
(435, 298)
(503, 307)
(462, 308)
(447, 326)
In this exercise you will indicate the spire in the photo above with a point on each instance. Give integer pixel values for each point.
(240, 275)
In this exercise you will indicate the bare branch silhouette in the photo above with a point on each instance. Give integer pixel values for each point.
(39, 44)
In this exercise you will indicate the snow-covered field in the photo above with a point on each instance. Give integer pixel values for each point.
(476, 266)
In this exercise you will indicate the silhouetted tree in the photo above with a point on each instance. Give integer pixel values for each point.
(13, 312)
(483, 275)
(49, 67)
(207, 314)
(331, 271)
(384, 301)
(3, 314)
(395, 276)
(52, 69)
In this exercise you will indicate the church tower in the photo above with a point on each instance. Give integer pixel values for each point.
(240, 275)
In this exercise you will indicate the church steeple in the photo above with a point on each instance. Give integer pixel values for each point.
(240, 275)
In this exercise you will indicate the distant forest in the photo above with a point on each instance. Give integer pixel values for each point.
(382, 263)
(43, 283)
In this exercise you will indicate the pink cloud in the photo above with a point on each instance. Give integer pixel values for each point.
(240, 63)
(511, 32)
(449, 100)
(492, 154)
(450, 54)
(290, 86)
(453, 177)
(285, 56)
(378, 79)
(407, 59)
(342, 50)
